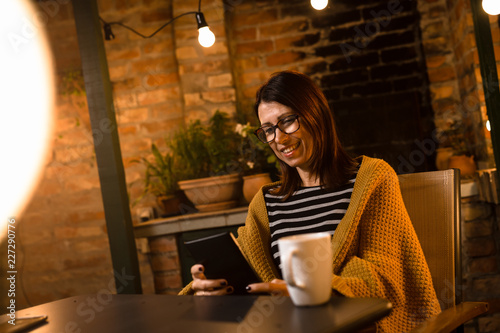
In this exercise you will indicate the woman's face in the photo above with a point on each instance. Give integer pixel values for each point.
(294, 149)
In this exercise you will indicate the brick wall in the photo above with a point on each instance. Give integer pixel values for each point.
(366, 57)
(378, 70)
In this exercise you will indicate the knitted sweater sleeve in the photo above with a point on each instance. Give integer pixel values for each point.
(377, 253)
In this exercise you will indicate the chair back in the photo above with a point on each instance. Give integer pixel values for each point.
(432, 200)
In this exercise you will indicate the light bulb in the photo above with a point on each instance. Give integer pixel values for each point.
(25, 122)
(206, 37)
(491, 7)
(488, 126)
(319, 4)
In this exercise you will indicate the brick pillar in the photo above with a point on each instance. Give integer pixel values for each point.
(165, 264)
(480, 261)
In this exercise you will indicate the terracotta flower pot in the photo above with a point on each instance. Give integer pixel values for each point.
(253, 183)
(175, 204)
(465, 163)
(213, 193)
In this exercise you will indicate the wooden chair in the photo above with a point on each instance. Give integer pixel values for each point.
(432, 200)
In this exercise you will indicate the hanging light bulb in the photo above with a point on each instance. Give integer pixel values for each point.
(205, 37)
(491, 7)
(319, 4)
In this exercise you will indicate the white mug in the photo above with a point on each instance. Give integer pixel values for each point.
(306, 266)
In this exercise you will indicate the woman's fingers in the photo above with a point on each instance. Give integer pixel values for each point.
(203, 286)
(275, 287)
(197, 271)
(217, 292)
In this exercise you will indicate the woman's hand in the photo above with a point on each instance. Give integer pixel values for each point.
(276, 287)
(204, 287)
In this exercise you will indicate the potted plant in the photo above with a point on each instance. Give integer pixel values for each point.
(209, 160)
(160, 179)
(455, 151)
(256, 159)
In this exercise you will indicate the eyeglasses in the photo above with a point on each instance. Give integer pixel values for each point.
(287, 125)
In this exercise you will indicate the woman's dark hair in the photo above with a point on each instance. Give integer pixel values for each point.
(329, 162)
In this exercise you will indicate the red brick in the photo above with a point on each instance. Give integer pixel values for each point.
(122, 54)
(441, 74)
(132, 115)
(284, 58)
(164, 282)
(153, 66)
(479, 247)
(85, 262)
(157, 96)
(126, 84)
(483, 265)
(206, 66)
(275, 29)
(161, 126)
(155, 80)
(219, 96)
(161, 262)
(245, 34)
(162, 244)
(435, 61)
(254, 47)
(287, 42)
(157, 14)
(257, 17)
(159, 46)
(127, 130)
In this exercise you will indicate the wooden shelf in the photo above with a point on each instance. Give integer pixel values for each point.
(191, 222)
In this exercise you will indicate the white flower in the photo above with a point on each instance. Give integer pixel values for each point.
(250, 164)
(239, 129)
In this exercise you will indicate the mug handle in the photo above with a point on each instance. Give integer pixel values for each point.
(290, 273)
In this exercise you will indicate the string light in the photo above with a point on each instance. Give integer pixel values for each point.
(205, 37)
(492, 7)
(319, 4)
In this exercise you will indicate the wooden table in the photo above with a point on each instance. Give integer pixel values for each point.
(103, 312)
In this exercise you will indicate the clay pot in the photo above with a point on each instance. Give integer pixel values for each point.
(174, 204)
(213, 193)
(465, 163)
(253, 183)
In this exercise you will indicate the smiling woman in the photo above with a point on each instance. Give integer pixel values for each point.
(27, 85)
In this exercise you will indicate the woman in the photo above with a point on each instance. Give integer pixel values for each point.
(376, 251)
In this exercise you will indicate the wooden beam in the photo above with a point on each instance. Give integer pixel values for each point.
(488, 68)
(107, 148)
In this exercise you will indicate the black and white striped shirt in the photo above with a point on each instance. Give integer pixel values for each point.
(309, 209)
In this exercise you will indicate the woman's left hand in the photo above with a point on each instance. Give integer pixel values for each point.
(276, 287)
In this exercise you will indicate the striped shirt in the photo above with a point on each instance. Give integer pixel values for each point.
(309, 209)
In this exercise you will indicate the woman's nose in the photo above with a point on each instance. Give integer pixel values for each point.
(280, 137)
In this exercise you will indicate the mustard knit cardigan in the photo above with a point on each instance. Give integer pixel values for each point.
(375, 249)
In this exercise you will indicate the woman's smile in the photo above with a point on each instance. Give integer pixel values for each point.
(288, 151)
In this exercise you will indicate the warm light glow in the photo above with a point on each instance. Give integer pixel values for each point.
(488, 126)
(491, 7)
(206, 37)
(319, 4)
(26, 84)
